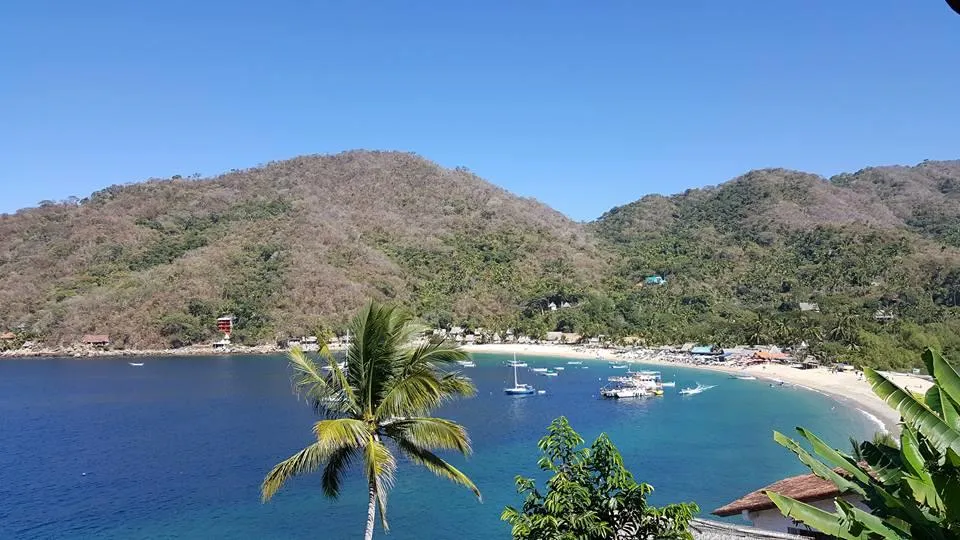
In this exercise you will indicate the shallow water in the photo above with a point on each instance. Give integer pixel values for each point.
(95, 448)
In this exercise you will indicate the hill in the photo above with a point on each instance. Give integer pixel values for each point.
(863, 266)
(872, 256)
(284, 247)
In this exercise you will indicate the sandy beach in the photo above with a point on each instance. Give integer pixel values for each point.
(844, 387)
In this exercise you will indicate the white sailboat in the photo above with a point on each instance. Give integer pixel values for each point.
(518, 389)
(516, 364)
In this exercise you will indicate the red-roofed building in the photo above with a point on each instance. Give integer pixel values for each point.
(758, 509)
(101, 341)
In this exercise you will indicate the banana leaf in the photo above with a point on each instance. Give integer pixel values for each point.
(915, 413)
(869, 521)
(834, 457)
(816, 518)
(885, 462)
(818, 467)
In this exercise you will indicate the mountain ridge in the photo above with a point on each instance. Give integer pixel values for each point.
(299, 243)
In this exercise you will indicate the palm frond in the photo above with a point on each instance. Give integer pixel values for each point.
(342, 433)
(430, 433)
(306, 461)
(308, 379)
(437, 466)
(333, 473)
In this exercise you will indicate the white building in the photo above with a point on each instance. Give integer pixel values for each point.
(759, 510)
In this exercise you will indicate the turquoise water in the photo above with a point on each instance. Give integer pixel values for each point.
(95, 448)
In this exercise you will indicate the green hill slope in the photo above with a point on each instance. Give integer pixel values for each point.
(302, 242)
(740, 258)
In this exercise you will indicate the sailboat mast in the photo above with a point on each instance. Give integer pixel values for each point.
(515, 382)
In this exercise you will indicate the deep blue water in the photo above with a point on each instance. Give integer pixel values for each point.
(95, 448)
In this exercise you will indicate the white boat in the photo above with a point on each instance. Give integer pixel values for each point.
(341, 365)
(574, 363)
(550, 374)
(634, 385)
(518, 389)
(466, 363)
(559, 368)
(538, 369)
(346, 347)
(695, 390)
(746, 377)
(136, 364)
(618, 366)
(515, 363)
(668, 384)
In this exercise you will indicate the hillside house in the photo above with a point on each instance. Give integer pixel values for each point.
(496, 338)
(654, 280)
(706, 350)
(810, 306)
(564, 305)
(758, 509)
(551, 306)
(456, 331)
(97, 341)
(8, 336)
(882, 315)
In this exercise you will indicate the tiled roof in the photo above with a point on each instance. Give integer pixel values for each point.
(806, 487)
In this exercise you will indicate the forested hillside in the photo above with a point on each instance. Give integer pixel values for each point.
(873, 257)
(283, 247)
(874, 250)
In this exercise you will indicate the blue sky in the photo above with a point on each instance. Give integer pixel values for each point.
(583, 105)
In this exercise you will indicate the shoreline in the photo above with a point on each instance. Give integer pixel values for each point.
(844, 387)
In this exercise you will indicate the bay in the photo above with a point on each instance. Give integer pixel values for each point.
(96, 448)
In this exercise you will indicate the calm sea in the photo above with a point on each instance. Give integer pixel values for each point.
(96, 448)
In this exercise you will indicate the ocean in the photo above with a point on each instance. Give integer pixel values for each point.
(96, 448)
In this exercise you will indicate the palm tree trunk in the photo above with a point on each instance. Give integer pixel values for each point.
(371, 511)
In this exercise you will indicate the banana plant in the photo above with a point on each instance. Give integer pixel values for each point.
(912, 489)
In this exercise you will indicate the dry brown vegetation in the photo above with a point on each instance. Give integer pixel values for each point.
(284, 246)
(294, 244)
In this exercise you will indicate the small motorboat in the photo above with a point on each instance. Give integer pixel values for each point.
(466, 363)
(574, 363)
(695, 390)
(136, 364)
(550, 374)
(538, 369)
(618, 366)
(668, 384)
(746, 378)
(559, 368)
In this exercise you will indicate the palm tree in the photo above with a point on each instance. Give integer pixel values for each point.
(385, 394)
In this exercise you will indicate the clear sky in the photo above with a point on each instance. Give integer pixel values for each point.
(583, 105)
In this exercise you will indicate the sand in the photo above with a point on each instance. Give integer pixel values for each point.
(846, 387)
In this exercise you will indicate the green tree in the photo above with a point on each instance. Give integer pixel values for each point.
(591, 495)
(913, 490)
(386, 392)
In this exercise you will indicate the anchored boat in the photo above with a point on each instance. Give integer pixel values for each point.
(518, 389)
